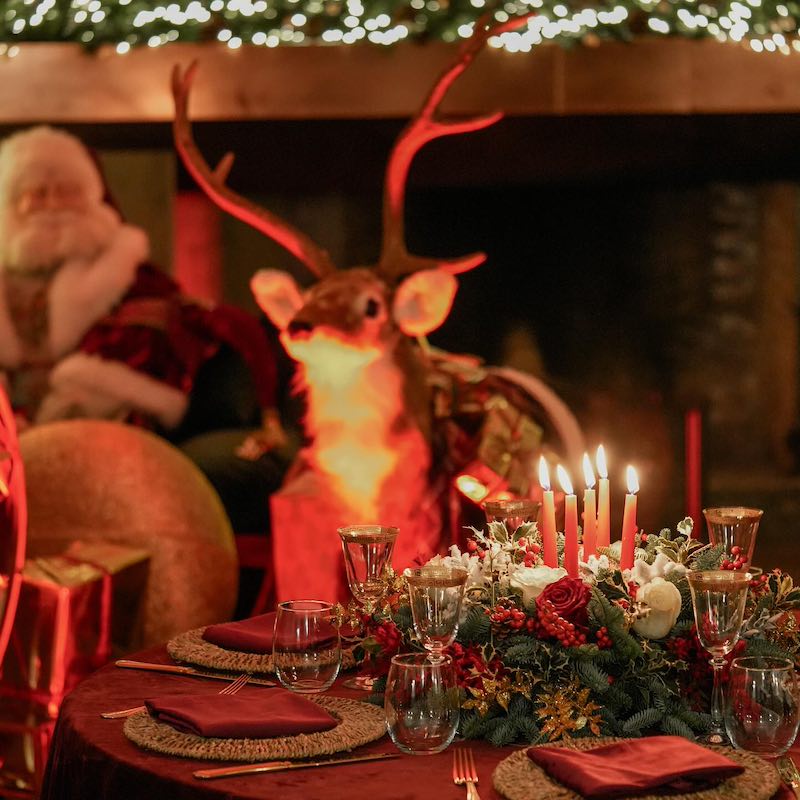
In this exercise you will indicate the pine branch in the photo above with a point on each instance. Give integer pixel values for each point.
(676, 727)
(592, 676)
(641, 721)
(476, 628)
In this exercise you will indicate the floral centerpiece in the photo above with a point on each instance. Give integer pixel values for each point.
(541, 655)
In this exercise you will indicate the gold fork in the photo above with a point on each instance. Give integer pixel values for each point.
(464, 772)
(230, 688)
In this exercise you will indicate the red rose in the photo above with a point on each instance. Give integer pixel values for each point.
(569, 598)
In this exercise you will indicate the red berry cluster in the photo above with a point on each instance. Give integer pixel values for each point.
(530, 551)
(759, 586)
(508, 615)
(736, 561)
(603, 639)
(551, 624)
(633, 588)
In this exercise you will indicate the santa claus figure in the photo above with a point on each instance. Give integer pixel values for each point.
(88, 328)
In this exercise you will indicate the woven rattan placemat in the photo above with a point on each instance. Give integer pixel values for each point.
(518, 778)
(192, 648)
(359, 723)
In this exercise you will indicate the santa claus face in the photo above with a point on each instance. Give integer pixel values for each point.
(51, 218)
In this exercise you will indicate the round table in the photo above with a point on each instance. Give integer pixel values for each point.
(91, 758)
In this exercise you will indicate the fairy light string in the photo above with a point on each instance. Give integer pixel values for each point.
(764, 25)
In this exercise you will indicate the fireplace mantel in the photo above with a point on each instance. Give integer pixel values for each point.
(60, 83)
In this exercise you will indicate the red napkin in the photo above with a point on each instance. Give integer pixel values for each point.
(635, 766)
(256, 635)
(249, 714)
(252, 635)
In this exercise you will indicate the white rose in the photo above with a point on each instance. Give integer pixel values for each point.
(664, 601)
(532, 580)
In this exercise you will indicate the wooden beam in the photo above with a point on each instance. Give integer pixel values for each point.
(63, 84)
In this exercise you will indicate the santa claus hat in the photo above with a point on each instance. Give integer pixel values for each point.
(44, 153)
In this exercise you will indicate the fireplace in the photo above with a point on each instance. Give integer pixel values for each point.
(645, 262)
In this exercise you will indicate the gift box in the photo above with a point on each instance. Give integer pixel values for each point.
(69, 607)
(26, 730)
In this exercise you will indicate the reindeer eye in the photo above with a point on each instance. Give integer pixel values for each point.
(372, 308)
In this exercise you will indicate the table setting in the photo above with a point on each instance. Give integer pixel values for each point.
(537, 663)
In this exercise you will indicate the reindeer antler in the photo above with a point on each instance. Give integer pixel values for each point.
(395, 260)
(213, 183)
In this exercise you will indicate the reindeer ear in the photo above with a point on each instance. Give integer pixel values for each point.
(278, 296)
(423, 301)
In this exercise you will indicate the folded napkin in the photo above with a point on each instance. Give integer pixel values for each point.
(256, 635)
(249, 714)
(252, 635)
(635, 766)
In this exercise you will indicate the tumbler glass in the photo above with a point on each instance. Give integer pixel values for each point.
(762, 711)
(306, 650)
(421, 703)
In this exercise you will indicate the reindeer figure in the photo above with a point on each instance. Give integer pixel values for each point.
(369, 419)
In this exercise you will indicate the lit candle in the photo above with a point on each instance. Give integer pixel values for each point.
(570, 523)
(550, 554)
(589, 511)
(603, 510)
(629, 520)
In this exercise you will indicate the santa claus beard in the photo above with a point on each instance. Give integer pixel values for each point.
(44, 239)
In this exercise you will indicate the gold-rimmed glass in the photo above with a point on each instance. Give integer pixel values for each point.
(367, 553)
(436, 595)
(512, 513)
(718, 598)
(734, 527)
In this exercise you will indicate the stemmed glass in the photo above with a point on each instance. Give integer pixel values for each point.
(436, 594)
(367, 555)
(735, 528)
(718, 598)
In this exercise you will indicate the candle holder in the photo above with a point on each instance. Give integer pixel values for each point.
(735, 528)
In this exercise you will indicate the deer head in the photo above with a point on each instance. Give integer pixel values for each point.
(350, 331)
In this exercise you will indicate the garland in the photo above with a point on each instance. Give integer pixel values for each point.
(541, 656)
(767, 24)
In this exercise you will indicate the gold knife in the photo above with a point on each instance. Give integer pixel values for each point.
(191, 672)
(279, 766)
(790, 775)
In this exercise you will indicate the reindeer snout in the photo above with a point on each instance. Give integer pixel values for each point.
(297, 326)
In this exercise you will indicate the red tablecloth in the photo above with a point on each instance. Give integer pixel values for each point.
(91, 759)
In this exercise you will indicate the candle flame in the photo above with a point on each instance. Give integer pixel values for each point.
(600, 460)
(632, 479)
(544, 474)
(564, 480)
(588, 472)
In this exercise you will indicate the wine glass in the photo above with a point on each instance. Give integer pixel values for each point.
(718, 598)
(511, 512)
(421, 703)
(436, 594)
(735, 528)
(762, 711)
(306, 650)
(367, 555)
